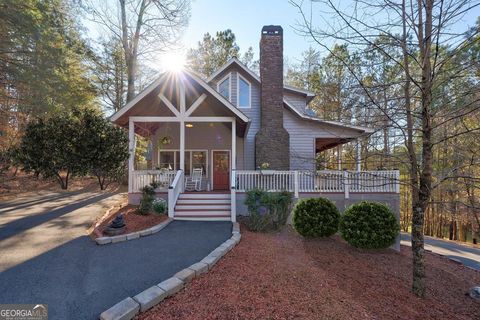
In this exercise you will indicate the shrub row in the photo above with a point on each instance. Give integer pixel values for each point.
(368, 225)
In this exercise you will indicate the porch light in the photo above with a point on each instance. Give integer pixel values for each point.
(189, 125)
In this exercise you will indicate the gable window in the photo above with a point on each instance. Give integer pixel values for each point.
(244, 94)
(224, 87)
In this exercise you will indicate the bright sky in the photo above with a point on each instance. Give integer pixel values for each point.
(247, 17)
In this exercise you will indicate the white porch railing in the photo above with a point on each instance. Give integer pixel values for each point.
(324, 181)
(174, 191)
(142, 178)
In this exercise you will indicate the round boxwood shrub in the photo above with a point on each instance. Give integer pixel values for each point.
(316, 217)
(369, 225)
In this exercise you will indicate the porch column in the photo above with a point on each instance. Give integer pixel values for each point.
(182, 123)
(358, 163)
(131, 150)
(234, 145)
(182, 146)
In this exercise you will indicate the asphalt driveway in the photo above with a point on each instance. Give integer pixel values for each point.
(467, 255)
(47, 258)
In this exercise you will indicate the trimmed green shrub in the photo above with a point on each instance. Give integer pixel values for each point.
(148, 195)
(159, 206)
(316, 217)
(268, 210)
(369, 225)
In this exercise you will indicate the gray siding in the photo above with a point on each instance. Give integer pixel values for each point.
(302, 139)
(253, 113)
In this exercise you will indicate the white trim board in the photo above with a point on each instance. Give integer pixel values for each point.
(183, 115)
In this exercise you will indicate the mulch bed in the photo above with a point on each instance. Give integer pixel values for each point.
(282, 276)
(133, 220)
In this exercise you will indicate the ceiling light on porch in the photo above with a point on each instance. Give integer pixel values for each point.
(189, 125)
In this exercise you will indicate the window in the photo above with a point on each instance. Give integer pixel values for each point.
(199, 160)
(243, 93)
(167, 160)
(224, 87)
(193, 159)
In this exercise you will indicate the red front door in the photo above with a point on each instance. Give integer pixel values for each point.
(221, 170)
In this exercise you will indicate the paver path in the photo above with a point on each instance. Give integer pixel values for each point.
(468, 255)
(46, 256)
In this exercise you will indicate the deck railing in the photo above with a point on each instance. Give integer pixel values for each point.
(324, 181)
(142, 178)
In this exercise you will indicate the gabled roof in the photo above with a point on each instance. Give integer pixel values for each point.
(362, 130)
(197, 79)
(234, 61)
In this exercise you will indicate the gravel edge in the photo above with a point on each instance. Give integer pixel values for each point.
(129, 307)
(133, 235)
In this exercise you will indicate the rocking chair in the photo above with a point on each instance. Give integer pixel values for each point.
(194, 182)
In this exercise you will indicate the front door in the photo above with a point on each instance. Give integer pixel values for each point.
(221, 170)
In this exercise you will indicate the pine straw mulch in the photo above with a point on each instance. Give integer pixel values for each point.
(282, 276)
(133, 220)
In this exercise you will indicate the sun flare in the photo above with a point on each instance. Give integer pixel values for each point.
(173, 61)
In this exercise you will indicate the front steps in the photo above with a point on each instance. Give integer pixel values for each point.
(203, 206)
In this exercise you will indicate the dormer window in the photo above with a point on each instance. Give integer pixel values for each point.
(223, 87)
(244, 93)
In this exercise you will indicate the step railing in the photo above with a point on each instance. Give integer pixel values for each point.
(322, 181)
(174, 191)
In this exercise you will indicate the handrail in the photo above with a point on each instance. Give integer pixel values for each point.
(174, 191)
(176, 179)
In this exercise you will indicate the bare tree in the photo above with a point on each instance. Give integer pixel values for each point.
(145, 28)
(423, 31)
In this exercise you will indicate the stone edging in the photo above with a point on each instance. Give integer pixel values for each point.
(133, 235)
(129, 307)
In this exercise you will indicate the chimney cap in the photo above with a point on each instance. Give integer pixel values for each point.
(272, 30)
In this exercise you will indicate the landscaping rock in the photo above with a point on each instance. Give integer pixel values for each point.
(134, 235)
(124, 310)
(171, 286)
(236, 237)
(199, 268)
(120, 238)
(160, 226)
(236, 227)
(150, 297)
(220, 252)
(474, 293)
(210, 260)
(103, 240)
(229, 244)
(186, 275)
(145, 232)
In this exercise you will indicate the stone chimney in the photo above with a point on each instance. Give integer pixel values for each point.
(272, 141)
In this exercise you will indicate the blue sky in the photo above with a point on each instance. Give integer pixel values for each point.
(246, 19)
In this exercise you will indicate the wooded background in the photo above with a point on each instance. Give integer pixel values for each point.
(412, 73)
